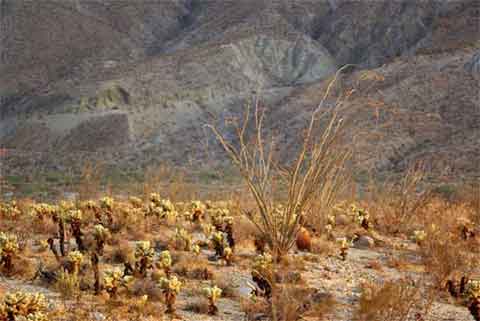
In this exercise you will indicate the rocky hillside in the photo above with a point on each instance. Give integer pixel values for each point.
(133, 82)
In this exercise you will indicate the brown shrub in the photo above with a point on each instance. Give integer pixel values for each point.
(291, 303)
(395, 300)
(193, 268)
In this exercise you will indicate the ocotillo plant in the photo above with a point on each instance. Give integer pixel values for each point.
(318, 161)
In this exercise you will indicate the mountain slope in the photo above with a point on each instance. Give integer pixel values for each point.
(133, 83)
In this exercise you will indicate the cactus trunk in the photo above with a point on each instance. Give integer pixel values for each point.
(61, 236)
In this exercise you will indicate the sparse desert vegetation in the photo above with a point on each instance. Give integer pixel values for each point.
(187, 260)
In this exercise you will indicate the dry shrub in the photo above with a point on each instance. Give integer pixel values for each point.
(396, 205)
(374, 265)
(224, 282)
(24, 268)
(68, 284)
(292, 263)
(444, 256)
(322, 246)
(244, 230)
(193, 268)
(199, 306)
(119, 254)
(146, 287)
(396, 300)
(254, 308)
(292, 303)
(444, 252)
(89, 185)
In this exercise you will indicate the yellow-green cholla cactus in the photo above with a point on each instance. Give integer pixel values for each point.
(144, 254)
(183, 239)
(171, 287)
(101, 235)
(212, 294)
(165, 262)
(75, 258)
(344, 246)
(114, 279)
(419, 236)
(9, 247)
(23, 306)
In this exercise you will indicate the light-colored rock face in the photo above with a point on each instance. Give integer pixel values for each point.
(285, 62)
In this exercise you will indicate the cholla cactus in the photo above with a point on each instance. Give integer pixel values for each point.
(59, 216)
(9, 210)
(43, 210)
(208, 230)
(218, 216)
(472, 292)
(107, 203)
(419, 236)
(155, 198)
(361, 216)
(101, 235)
(262, 273)
(221, 246)
(263, 262)
(165, 262)
(467, 228)
(331, 219)
(219, 243)
(473, 289)
(329, 230)
(63, 210)
(136, 202)
(144, 254)
(75, 219)
(8, 249)
(197, 211)
(75, 259)
(89, 204)
(161, 208)
(171, 287)
(113, 280)
(74, 215)
(196, 249)
(228, 255)
(344, 246)
(26, 306)
(212, 294)
(224, 223)
(183, 239)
